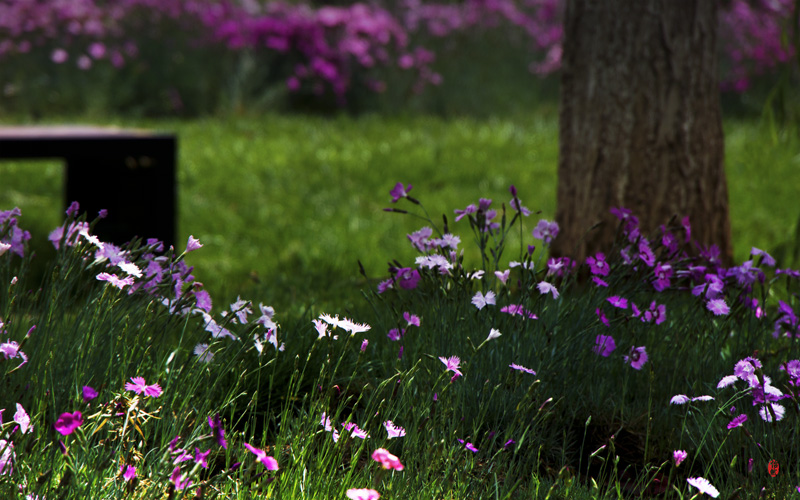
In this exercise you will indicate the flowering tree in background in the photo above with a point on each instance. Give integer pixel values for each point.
(313, 49)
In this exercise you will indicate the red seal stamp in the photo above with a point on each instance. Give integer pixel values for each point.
(773, 468)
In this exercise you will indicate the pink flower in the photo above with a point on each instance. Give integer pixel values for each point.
(128, 472)
(193, 244)
(59, 56)
(261, 456)
(604, 345)
(116, 281)
(679, 456)
(503, 277)
(362, 494)
(364, 345)
(7, 457)
(394, 431)
(452, 364)
(545, 287)
(88, 393)
(517, 310)
(386, 459)
(704, 486)
(11, 350)
(68, 422)
(201, 457)
(521, 368)
(21, 417)
(637, 357)
(355, 430)
(602, 315)
(139, 386)
(471, 447)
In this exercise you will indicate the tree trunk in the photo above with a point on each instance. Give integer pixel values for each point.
(640, 123)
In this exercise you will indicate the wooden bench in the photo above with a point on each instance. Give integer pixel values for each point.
(130, 173)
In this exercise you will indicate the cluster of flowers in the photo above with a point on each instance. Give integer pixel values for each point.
(663, 261)
(330, 43)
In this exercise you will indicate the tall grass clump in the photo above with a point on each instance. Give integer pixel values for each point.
(493, 371)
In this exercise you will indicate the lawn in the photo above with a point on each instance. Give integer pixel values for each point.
(287, 205)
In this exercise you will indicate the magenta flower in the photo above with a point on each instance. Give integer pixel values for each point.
(407, 278)
(128, 472)
(600, 282)
(68, 422)
(88, 393)
(517, 367)
(704, 486)
(398, 191)
(618, 301)
(10, 350)
(217, 431)
(637, 357)
(394, 431)
(355, 430)
(193, 244)
(364, 345)
(718, 307)
(139, 386)
(662, 272)
(261, 456)
(180, 482)
(201, 457)
(657, 313)
(604, 345)
(411, 319)
(598, 264)
(362, 494)
(602, 315)
(471, 447)
(679, 456)
(386, 459)
(737, 421)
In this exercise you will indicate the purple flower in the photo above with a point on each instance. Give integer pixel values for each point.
(68, 422)
(657, 313)
(604, 345)
(261, 456)
(398, 191)
(662, 272)
(21, 417)
(718, 307)
(517, 310)
(679, 456)
(364, 345)
(471, 209)
(180, 482)
(10, 350)
(598, 264)
(193, 244)
(737, 421)
(139, 386)
(637, 357)
(545, 231)
(545, 287)
(217, 431)
(407, 278)
(480, 300)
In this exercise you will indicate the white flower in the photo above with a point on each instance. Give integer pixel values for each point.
(704, 486)
(493, 334)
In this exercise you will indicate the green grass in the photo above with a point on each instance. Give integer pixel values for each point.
(287, 205)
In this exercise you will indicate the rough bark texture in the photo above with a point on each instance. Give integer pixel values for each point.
(640, 123)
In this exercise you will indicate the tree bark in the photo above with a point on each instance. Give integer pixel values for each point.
(640, 122)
